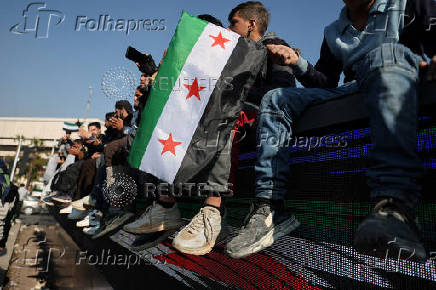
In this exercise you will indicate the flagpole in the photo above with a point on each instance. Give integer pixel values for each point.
(16, 159)
(88, 105)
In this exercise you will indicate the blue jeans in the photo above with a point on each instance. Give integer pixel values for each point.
(97, 190)
(388, 79)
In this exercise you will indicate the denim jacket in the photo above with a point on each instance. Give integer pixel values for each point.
(409, 22)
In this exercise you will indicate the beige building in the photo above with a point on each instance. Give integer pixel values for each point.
(48, 130)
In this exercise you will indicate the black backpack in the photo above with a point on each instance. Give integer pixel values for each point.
(66, 181)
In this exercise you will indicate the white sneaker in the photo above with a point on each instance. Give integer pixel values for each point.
(88, 202)
(91, 230)
(66, 210)
(83, 223)
(78, 204)
(156, 218)
(199, 236)
(92, 219)
(77, 214)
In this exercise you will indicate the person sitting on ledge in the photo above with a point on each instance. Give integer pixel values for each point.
(384, 66)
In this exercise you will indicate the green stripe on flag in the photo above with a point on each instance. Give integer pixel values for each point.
(187, 33)
(72, 124)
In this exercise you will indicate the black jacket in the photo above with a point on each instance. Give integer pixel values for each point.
(272, 75)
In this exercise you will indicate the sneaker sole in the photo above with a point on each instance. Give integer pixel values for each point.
(49, 203)
(85, 226)
(266, 241)
(78, 206)
(206, 249)
(198, 252)
(77, 217)
(87, 233)
(65, 211)
(82, 225)
(155, 242)
(60, 200)
(381, 244)
(157, 228)
(409, 251)
(111, 227)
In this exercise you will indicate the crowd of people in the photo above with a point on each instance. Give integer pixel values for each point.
(385, 66)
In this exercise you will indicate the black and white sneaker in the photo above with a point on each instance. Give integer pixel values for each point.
(263, 226)
(62, 198)
(47, 199)
(111, 223)
(390, 231)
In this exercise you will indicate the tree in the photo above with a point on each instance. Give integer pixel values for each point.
(36, 162)
(36, 143)
(18, 137)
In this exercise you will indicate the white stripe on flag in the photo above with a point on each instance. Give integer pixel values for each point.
(181, 116)
(70, 127)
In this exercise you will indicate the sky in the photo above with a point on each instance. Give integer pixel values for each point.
(47, 73)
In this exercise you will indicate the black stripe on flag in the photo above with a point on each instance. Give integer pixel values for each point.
(223, 109)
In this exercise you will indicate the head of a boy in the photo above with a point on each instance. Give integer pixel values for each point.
(249, 19)
(355, 4)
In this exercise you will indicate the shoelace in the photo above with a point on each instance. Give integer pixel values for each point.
(92, 214)
(399, 211)
(251, 219)
(147, 213)
(389, 207)
(199, 221)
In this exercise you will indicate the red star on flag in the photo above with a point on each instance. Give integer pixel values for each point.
(194, 90)
(219, 40)
(169, 145)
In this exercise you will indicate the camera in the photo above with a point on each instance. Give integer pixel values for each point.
(146, 62)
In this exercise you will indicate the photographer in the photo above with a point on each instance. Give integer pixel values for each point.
(92, 140)
(77, 149)
(65, 143)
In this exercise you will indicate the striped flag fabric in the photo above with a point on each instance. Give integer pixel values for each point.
(195, 100)
(71, 127)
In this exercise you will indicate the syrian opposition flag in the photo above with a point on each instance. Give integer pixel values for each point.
(195, 100)
(70, 127)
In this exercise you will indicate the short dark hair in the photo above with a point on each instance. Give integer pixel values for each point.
(109, 115)
(211, 19)
(252, 9)
(124, 104)
(95, 124)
